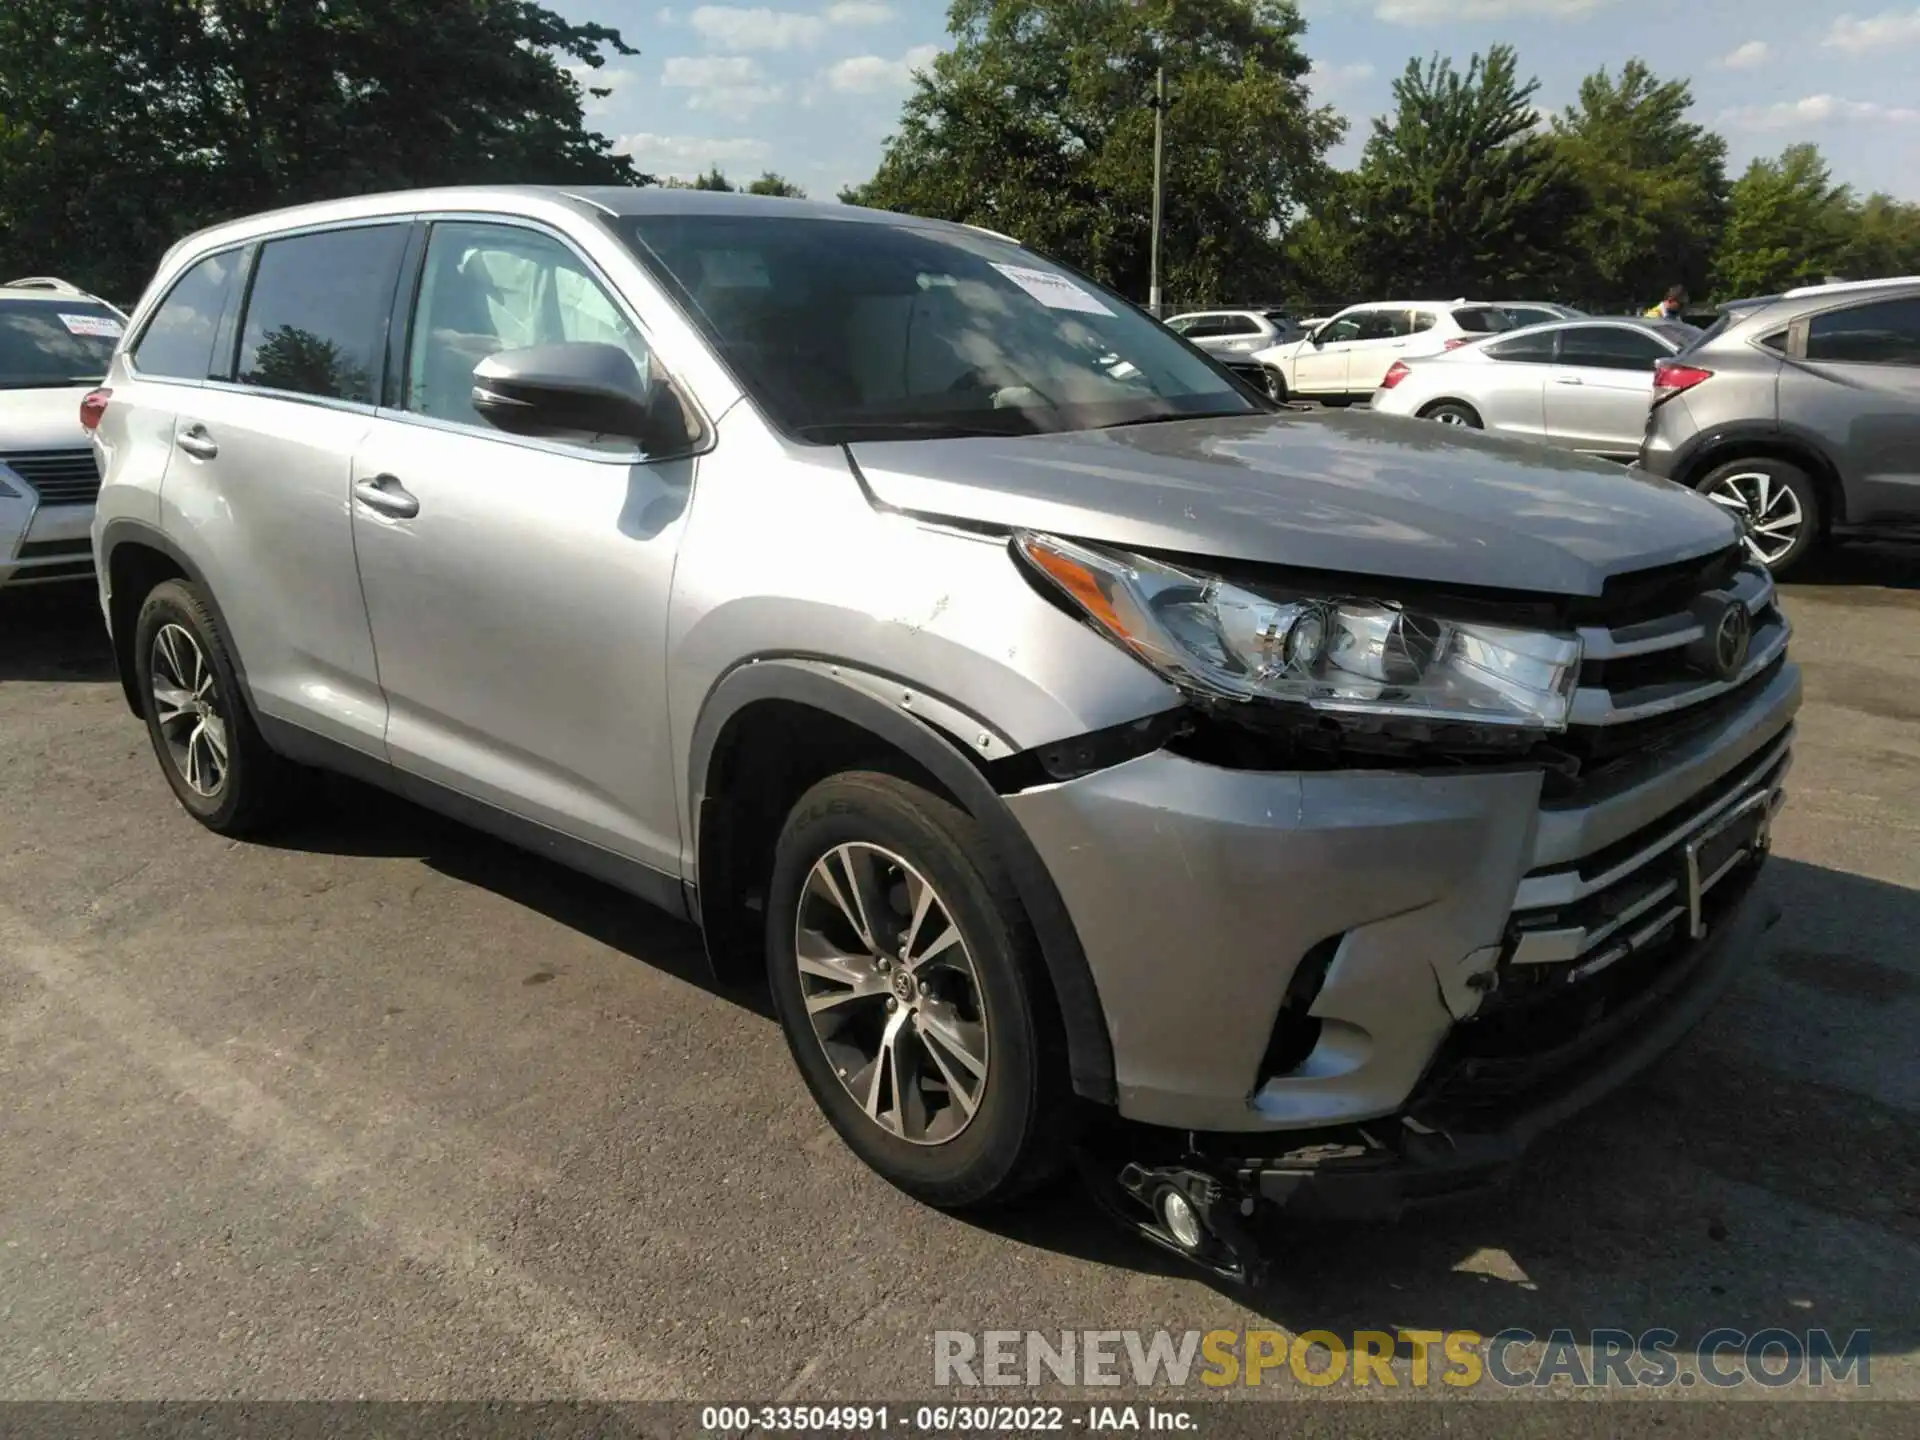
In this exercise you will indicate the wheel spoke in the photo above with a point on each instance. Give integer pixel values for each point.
(920, 900)
(944, 941)
(966, 1093)
(174, 702)
(883, 1071)
(1729, 500)
(193, 759)
(1763, 486)
(963, 1040)
(216, 732)
(1784, 526)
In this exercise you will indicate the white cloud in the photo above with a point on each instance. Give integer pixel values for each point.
(1819, 110)
(608, 77)
(868, 74)
(721, 82)
(688, 155)
(1441, 12)
(1749, 56)
(734, 27)
(1327, 81)
(1890, 27)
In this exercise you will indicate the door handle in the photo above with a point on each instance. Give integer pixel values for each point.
(1568, 380)
(197, 442)
(387, 495)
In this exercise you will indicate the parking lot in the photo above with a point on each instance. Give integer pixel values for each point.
(387, 1109)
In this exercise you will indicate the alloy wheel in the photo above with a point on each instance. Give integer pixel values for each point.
(187, 707)
(1452, 417)
(892, 992)
(1768, 511)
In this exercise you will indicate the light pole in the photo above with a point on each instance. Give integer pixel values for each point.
(1159, 184)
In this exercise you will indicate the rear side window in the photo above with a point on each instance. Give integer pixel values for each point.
(1524, 350)
(1237, 325)
(316, 319)
(1886, 332)
(1607, 347)
(1383, 325)
(1482, 319)
(178, 341)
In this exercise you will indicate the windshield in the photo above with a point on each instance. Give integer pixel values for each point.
(848, 330)
(46, 343)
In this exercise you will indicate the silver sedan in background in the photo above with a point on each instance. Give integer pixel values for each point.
(1581, 385)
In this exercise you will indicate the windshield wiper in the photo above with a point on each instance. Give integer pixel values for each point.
(853, 431)
(1160, 417)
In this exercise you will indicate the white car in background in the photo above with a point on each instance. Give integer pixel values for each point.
(55, 342)
(1346, 358)
(1236, 332)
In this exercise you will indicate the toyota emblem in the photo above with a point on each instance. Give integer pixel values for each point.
(1732, 638)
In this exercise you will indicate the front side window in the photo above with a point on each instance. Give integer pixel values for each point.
(316, 320)
(1344, 327)
(1384, 325)
(178, 340)
(1886, 332)
(488, 288)
(45, 344)
(848, 329)
(1608, 347)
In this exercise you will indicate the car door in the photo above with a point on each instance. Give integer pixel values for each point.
(1510, 383)
(1854, 382)
(1383, 339)
(1321, 365)
(518, 587)
(1601, 389)
(257, 488)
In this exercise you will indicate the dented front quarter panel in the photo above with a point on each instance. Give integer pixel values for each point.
(1196, 890)
(785, 556)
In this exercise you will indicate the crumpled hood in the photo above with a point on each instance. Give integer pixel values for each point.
(1343, 491)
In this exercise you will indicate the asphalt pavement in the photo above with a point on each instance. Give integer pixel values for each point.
(387, 1109)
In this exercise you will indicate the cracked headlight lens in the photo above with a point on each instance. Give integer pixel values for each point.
(1332, 653)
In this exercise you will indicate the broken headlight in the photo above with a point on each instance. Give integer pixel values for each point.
(1334, 654)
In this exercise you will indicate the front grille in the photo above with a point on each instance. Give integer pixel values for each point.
(61, 477)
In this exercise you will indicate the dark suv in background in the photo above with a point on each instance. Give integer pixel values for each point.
(1800, 414)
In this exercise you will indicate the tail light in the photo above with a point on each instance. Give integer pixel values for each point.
(1394, 376)
(1458, 341)
(93, 407)
(1671, 378)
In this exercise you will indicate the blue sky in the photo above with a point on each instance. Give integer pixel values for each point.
(811, 88)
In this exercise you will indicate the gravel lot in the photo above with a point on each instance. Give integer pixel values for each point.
(387, 1109)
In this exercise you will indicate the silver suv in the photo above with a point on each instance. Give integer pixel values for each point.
(1799, 413)
(1070, 737)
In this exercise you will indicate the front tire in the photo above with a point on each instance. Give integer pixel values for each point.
(203, 734)
(910, 987)
(1776, 503)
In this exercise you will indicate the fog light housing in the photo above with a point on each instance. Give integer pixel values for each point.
(1181, 1219)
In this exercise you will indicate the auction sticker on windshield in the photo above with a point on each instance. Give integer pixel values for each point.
(1056, 292)
(103, 326)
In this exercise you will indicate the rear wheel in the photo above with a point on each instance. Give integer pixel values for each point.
(1456, 413)
(1776, 503)
(1276, 385)
(202, 732)
(910, 988)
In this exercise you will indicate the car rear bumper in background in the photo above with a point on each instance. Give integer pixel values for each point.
(1408, 903)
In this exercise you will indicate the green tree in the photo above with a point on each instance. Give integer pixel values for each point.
(771, 183)
(1655, 185)
(126, 123)
(1457, 191)
(1787, 225)
(1882, 238)
(1039, 123)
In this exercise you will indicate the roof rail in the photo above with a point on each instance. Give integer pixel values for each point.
(1842, 285)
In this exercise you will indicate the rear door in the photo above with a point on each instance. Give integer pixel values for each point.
(1599, 393)
(1511, 382)
(1855, 384)
(262, 467)
(1382, 340)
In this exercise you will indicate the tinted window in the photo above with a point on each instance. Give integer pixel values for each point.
(1237, 325)
(1344, 327)
(1527, 315)
(1424, 320)
(1382, 325)
(1183, 324)
(178, 340)
(1524, 349)
(846, 329)
(1606, 347)
(488, 288)
(1481, 319)
(317, 313)
(50, 343)
(1884, 333)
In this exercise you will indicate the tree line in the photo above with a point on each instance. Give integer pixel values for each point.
(1038, 121)
(125, 124)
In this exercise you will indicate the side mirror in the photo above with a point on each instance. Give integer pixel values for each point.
(580, 387)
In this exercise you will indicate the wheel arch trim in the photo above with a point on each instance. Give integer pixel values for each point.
(1761, 440)
(124, 531)
(851, 695)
